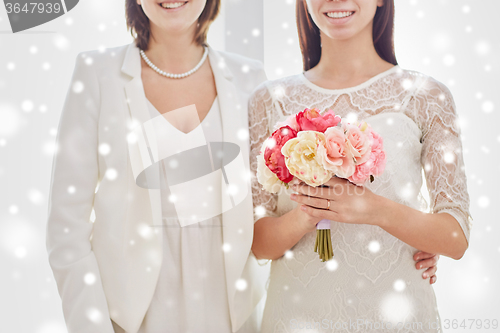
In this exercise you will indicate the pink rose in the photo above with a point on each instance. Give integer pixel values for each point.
(273, 157)
(375, 164)
(336, 155)
(359, 142)
(378, 154)
(312, 120)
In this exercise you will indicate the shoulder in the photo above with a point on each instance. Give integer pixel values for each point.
(426, 84)
(104, 59)
(434, 101)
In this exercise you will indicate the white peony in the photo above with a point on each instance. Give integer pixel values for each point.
(303, 160)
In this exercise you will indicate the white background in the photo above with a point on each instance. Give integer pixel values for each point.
(455, 41)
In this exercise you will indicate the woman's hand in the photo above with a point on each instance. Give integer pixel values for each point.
(429, 261)
(305, 222)
(348, 203)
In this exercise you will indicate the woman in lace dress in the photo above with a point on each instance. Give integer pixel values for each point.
(371, 284)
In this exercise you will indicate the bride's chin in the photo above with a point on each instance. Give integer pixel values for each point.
(335, 34)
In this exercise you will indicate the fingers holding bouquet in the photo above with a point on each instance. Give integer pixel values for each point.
(338, 200)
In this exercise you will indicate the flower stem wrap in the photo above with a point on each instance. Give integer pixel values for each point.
(323, 244)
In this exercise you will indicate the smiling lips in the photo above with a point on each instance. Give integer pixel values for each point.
(339, 14)
(172, 5)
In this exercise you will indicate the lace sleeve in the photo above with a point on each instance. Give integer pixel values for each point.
(259, 106)
(442, 157)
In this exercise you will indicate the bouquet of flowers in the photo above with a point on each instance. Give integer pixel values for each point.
(312, 148)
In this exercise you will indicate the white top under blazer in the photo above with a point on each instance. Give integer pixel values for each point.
(109, 269)
(190, 294)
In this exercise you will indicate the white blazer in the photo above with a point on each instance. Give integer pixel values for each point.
(108, 268)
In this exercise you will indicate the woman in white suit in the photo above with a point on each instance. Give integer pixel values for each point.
(118, 264)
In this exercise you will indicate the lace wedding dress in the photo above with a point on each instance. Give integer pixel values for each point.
(372, 279)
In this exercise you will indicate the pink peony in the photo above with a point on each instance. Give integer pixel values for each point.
(358, 142)
(375, 164)
(336, 155)
(378, 154)
(312, 120)
(273, 157)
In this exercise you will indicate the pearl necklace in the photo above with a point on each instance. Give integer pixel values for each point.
(174, 76)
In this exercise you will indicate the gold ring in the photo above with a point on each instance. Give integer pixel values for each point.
(328, 204)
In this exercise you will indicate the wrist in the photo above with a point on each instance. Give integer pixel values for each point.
(299, 223)
(384, 210)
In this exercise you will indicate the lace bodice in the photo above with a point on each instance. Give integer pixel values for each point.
(427, 102)
(372, 276)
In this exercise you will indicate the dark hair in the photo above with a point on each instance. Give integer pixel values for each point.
(310, 39)
(138, 22)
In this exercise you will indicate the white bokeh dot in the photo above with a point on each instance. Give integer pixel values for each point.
(35, 196)
(441, 41)
(449, 60)
(241, 284)
(20, 252)
(51, 327)
(399, 285)
(27, 106)
(483, 201)
(374, 246)
(488, 106)
(94, 315)
(260, 210)
(449, 157)
(89, 278)
(173, 163)
(242, 134)
(104, 149)
(78, 87)
(61, 42)
(482, 47)
(13, 209)
(111, 174)
(332, 265)
(407, 83)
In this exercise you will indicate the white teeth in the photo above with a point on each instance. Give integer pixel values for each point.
(339, 14)
(172, 4)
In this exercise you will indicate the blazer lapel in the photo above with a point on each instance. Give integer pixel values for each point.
(139, 114)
